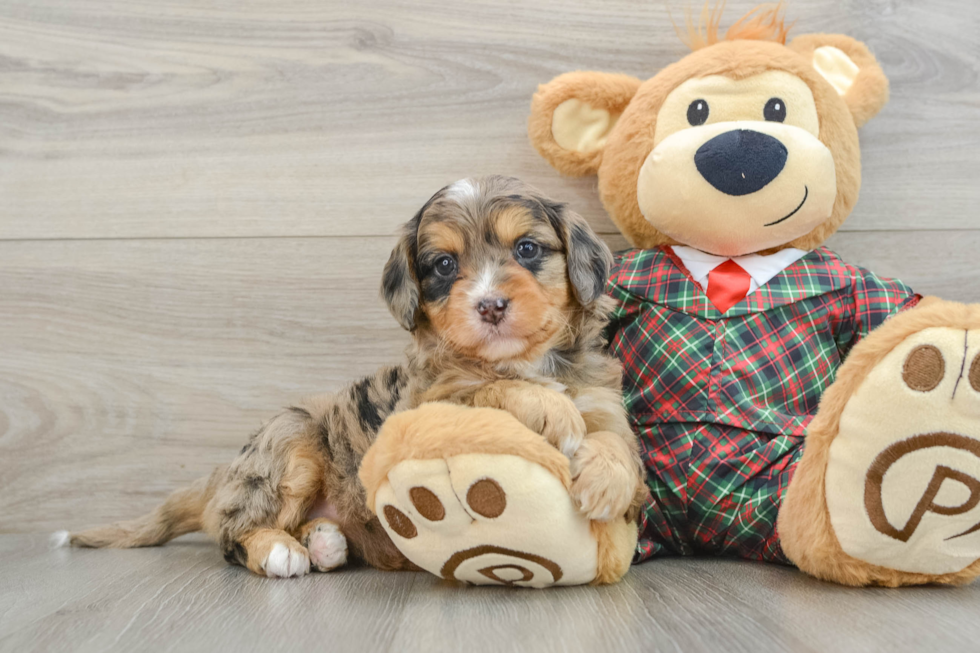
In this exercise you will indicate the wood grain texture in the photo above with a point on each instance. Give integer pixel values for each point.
(196, 199)
(183, 597)
(128, 368)
(181, 118)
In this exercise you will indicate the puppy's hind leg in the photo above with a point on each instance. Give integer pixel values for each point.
(268, 490)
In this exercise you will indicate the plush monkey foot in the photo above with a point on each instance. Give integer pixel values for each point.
(888, 489)
(470, 494)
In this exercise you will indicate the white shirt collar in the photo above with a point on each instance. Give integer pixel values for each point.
(761, 268)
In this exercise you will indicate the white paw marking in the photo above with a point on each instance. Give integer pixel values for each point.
(59, 539)
(283, 562)
(328, 547)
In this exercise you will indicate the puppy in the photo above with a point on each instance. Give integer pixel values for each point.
(502, 291)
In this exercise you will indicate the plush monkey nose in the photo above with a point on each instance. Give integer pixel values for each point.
(741, 161)
(492, 310)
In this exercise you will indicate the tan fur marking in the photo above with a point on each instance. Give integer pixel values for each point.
(515, 222)
(442, 237)
(259, 545)
(301, 485)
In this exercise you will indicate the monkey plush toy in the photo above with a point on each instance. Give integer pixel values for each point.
(792, 407)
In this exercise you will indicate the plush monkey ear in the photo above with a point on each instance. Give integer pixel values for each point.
(588, 258)
(850, 68)
(399, 287)
(573, 114)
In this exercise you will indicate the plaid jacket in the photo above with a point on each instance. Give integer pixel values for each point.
(721, 402)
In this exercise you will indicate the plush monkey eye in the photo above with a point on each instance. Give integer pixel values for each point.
(445, 266)
(775, 110)
(697, 112)
(527, 249)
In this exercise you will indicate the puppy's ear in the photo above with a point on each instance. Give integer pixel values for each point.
(573, 115)
(399, 287)
(588, 258)
(850, 68)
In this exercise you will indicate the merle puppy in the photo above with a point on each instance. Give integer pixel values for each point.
(502, 291)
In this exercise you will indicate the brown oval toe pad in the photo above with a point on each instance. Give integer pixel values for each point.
(924, 368)
(487, 498)
(399, 522)
(427, 503)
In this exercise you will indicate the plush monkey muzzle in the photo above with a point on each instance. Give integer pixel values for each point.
(737, 166)
(740, 161)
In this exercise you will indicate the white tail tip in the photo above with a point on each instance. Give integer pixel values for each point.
(59, 539)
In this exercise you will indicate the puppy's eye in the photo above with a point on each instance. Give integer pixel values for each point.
(527, 250)
(445, 266)
(775, 110)
(697, 112)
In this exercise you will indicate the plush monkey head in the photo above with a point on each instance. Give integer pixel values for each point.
(746, 145)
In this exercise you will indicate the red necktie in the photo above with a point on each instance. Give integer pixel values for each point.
(728, 284)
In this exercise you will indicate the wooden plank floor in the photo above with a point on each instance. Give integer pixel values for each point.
(196, 200)
(183, 597)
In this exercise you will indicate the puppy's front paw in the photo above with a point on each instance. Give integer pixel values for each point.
(555, 416)
(543, 410)
(603, 483)
(286, 560)
(565, 429)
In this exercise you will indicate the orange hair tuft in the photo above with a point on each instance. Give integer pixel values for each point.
(763, 23)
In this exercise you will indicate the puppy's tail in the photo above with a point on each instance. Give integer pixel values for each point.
(180, 514)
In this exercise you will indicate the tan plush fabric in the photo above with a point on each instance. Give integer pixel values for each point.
(886, 410)
(434, 431)
(896, 443)
(868, 408)
(631, 140)
(671, 193)
(868, 92)
(537, 530)
(836, 67)
(470, 494)
(600, 92)
(578, 127)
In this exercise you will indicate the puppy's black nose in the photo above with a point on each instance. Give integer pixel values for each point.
(492, 310)
(741, 161)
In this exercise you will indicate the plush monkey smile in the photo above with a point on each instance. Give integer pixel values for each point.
(806, 193)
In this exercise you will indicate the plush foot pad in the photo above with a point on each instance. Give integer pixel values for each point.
(903, 473)
(487, 519)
